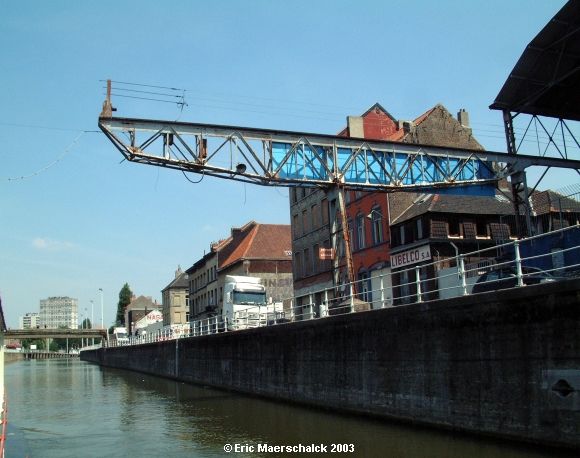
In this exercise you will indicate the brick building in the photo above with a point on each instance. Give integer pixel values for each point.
(203, 285)
(369, 214)
(139, 307)
(175, 300)
(254, 250)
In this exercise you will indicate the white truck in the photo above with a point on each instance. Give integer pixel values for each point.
(245, 304)
(120, 336)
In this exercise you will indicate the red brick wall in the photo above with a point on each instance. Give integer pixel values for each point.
(378, 126)
(370, 255)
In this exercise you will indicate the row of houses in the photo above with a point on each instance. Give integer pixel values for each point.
(254, 250)
(309, 256)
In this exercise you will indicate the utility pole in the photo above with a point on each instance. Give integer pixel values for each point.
(346, 238)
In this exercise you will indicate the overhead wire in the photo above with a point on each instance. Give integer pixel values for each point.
(142, 84)
(148, 98)
(546, 139)
(35, 126)
(230, 105)
(145, 92)
(61, 156)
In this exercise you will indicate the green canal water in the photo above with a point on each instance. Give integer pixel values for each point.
(70, 408)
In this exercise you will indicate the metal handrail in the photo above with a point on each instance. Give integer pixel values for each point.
(406, 293)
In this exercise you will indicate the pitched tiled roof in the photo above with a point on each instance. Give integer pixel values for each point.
(550, 201)
(180, 282)
(443, 203)
(256, 241)
(381, 108)
(142, 302)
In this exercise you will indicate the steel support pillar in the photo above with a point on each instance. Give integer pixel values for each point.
(518, 181)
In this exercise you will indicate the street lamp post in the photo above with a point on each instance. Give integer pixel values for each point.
(102, 314)
(92, 319)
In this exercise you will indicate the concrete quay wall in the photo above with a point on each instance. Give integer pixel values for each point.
(505, 364)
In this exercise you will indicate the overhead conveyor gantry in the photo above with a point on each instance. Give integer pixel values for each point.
(283, 158)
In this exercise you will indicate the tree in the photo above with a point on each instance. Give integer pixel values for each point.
(125, 296)
(40, 343)
(86, 324)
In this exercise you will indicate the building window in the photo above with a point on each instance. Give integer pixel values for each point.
(324, 211)
(377, 225)
(419, 229)
(364, 287)
(360, 231)
(454, 227)
(402, 234)
(481, 227)
(298, 265)
(314, 215)
(409, 232)
(307, 264)
(305, 228)
(296, 226)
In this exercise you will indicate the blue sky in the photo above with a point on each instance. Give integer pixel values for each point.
(90, 221)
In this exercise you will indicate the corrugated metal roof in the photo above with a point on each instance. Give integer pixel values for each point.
(546, 79)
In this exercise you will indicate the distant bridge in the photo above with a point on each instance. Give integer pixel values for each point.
(55, 333)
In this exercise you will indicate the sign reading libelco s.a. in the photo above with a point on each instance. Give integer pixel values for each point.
(413, 256)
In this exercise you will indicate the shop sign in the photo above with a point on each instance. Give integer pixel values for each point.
(414, 256)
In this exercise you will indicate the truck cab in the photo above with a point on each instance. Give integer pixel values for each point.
(121, 336)
(244, 302)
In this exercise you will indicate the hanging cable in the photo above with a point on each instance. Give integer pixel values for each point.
(191, 181)
(56, 161)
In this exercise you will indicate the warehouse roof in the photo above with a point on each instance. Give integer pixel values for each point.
(546, 79)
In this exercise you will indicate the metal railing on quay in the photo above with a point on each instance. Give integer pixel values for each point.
(539, 259)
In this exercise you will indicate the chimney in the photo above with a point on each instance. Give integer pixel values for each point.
(355, 126)
(406, 126)
(463, 118)
(178, 272)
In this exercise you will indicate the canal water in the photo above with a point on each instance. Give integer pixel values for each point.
(70, 408)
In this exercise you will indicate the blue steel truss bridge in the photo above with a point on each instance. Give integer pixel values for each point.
(283, 158)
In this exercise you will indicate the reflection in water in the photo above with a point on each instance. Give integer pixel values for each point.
(71, 409)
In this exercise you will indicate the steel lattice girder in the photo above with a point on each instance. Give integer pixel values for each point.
(282, 158)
